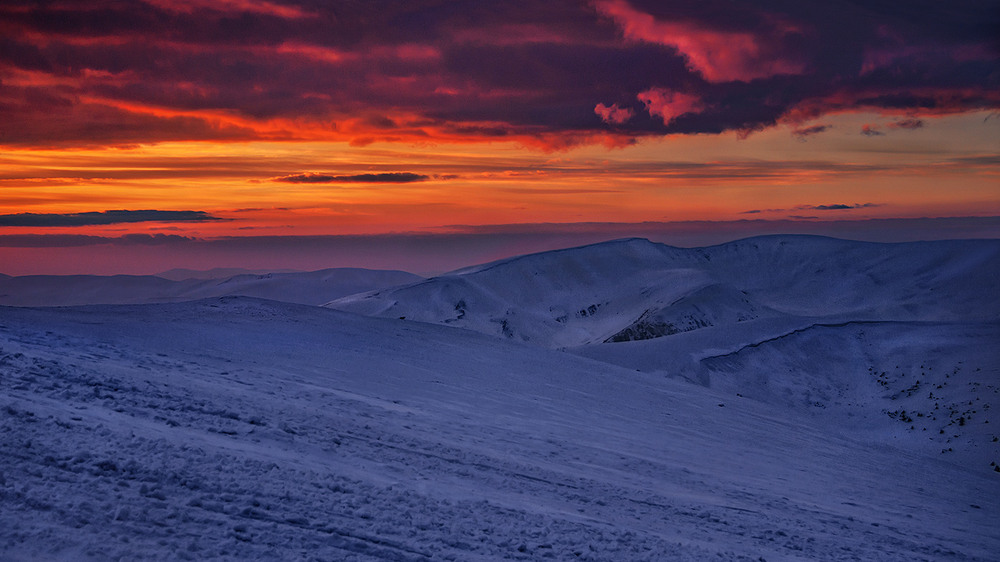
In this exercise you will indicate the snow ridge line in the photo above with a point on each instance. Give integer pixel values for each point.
(824, 325)
(506, 261)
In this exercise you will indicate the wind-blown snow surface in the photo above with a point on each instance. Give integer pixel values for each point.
(238, 429)
(313, 287)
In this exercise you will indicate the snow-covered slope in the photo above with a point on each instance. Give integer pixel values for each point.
(314, 287)
(635, 289)
(712, 305)
(835, 329)
(301, 288)
(240, 429)
(555, 298)
(811, 275)
(930, 387)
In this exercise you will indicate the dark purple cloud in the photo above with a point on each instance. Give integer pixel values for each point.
(907, 124)
(77, 240)
(803, 132)
(103, 218)
(153, 239)
(838, 207)
(560, 72)
(389, 177)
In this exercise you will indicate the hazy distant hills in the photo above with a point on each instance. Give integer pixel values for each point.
(180, 273)
(314, 287)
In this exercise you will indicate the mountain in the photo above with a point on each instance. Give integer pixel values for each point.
(64, 290)
(303, 287)
(894, 341)
(565, 297)
(711, 305)
(315, 287)
(180, 274)
(243, 429)
(636, 289)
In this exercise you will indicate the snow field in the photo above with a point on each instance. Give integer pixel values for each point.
(239, 429)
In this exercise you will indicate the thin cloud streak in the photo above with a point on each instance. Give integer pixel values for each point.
(838, 206)
(390, 177)
(95, 218)
(803, 132)
(897, 229)
(79, 240)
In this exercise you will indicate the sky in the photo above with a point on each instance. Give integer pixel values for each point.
(142, 135)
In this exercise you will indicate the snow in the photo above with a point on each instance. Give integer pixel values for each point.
(589, 294)
(896, 342)
(236, 428)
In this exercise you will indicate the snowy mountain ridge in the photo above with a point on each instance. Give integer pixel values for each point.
(636, 289)
(894, 341)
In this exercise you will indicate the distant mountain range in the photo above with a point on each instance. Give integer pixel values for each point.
(634, 289)
(898, 340)
(180, 274)
(313, 287)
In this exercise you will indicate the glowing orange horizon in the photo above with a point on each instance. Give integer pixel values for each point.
(493, 183)
(365, 119)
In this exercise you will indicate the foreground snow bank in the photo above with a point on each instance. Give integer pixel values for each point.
(244, 429)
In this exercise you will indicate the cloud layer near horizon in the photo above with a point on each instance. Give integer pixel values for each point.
(551, 74)
(688, 233)
(96, 218)
(433, 252)
(389, 177)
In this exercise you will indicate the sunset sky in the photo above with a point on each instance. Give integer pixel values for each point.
(138, 136)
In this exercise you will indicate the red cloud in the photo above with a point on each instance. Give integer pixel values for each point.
(871, 131)
(889, 100)
(669, 105)
(719, 56)
(113, 73)
(247, 6)
(613, 115)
